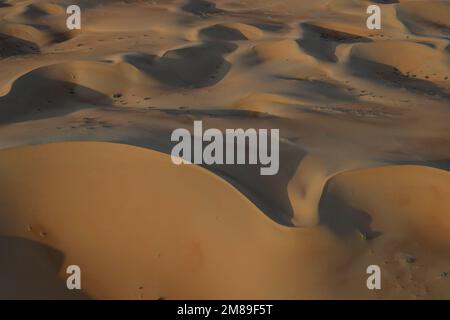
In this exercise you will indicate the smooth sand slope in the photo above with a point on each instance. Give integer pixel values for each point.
(140, 227)
(364, 149)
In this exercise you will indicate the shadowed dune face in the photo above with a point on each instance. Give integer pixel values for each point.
(48, 96)
(30, 270)
(201, 8)
(221, 32)
(43, 9)
(196, 66)
(422, 19)
(25, 31)
(392, 76)
(4, 4)
(417, 57)
(11, 46)
(351, 104)
(231, 32)
(411, 71)
(37, 34)
(411, 196)
(322, 42)
(275, 203)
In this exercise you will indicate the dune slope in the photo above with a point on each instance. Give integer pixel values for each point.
(110, 209)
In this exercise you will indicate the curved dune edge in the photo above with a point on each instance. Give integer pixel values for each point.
(183, 67)
(277, 105)
(413, 197)
(231, 32)
(140, 227)
(419, 15)
(89, 74)
(37, 9)
(418, 59)
(279, 50)
(131, 219)
(22, 31)
(34, 35)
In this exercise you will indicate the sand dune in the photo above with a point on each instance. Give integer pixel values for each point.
(322, 42)
(279, 50)
(231, 32)
(422, 19)
(418, 61)
(37, 10)
(156, 241)
(126, 192)
(416, 196)
(25, 32)
(34, 34)
(364, 149)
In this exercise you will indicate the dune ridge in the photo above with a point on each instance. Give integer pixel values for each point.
(364, 158)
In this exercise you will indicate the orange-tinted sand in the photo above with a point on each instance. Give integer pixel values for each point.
(86, 176)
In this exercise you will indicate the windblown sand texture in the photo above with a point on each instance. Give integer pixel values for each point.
(86, 176)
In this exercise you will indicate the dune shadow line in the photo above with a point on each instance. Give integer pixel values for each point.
(30, 270)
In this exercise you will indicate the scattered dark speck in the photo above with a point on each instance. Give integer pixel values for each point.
(410, 259)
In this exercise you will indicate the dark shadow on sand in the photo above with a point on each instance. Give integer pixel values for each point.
(196, 67)
(391, 76)
(342, 219)
(35, 97)
(12, 46)
(321, 43)
(201, 8)
(31, 270)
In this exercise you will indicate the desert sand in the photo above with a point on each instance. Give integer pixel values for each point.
(86, 176)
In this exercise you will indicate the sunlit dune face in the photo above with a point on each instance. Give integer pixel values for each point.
(92, 94)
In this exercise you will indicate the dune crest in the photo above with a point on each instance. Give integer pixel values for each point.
(363, 119)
